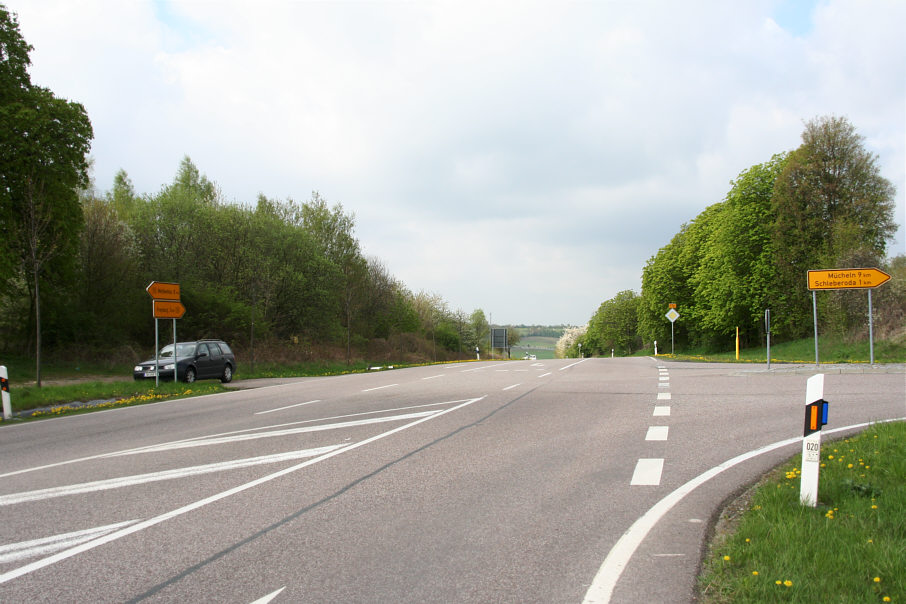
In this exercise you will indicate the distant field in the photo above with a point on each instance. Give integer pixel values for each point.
(541, 347)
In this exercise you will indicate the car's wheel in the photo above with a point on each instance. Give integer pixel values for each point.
(190, 375)
(227, 376)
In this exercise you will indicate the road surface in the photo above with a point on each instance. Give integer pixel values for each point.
(525, 481)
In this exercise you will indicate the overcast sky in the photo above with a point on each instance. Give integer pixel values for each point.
(525, 158)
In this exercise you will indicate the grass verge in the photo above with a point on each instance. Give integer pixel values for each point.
(31, 402)
(850, 548)
(830, 350)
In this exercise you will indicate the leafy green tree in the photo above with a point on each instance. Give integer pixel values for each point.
(110, 297)
(736, 278)
(667, 279)
(614, 326)
(45, 142)
(333, 230)
(829, 202)
(480, 328)
(122, 196)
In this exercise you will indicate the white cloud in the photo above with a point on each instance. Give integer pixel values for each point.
(525, 158)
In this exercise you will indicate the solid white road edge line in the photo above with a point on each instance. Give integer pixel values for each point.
(572, 365)
(606, 579)
(268, 597)
(288, 407)
(45, 562)
(379, 387)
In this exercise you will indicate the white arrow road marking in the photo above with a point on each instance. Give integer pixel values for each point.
(140, 526)
(48, 545)
(128, 481)
(205, 441)
(153, 448)
(268, 597)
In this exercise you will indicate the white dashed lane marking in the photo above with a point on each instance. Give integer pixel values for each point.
(647, 472)
(657, 433)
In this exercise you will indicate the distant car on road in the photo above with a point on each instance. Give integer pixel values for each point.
(199, 360)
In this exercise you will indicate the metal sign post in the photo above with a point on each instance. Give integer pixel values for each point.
(767, 328)
(846, 278)
(165, 304)
(672, 315)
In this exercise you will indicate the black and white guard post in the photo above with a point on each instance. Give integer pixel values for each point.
(4, 393)
(815, 418)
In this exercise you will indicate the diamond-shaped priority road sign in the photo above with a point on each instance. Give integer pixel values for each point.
(672, 315)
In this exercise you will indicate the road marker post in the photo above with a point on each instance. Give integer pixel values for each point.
(815, 418)
(4, 390)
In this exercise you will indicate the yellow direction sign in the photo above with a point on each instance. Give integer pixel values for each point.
(160, 290)
(847, 278)
(168, 309)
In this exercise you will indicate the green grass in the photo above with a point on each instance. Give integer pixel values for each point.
(830, 350)
(308, 369)
(850, 548)
(66, 399)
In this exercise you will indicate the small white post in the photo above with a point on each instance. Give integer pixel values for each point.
(655, 348)
(4, 382)
(811, 446)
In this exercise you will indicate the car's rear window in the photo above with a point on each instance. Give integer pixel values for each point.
(225, 348)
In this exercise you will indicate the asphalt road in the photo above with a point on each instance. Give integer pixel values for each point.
(524, 481)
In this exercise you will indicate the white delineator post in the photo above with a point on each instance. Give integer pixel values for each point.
(811, 441)
(4, 386)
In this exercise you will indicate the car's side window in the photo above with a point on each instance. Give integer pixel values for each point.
(215, 350)
(202, 349)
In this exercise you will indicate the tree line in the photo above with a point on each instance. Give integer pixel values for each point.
(824, 205)
(75, 262)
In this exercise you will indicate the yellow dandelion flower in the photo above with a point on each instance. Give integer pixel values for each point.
(788, 583)
(726, 558)
(877, 579)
